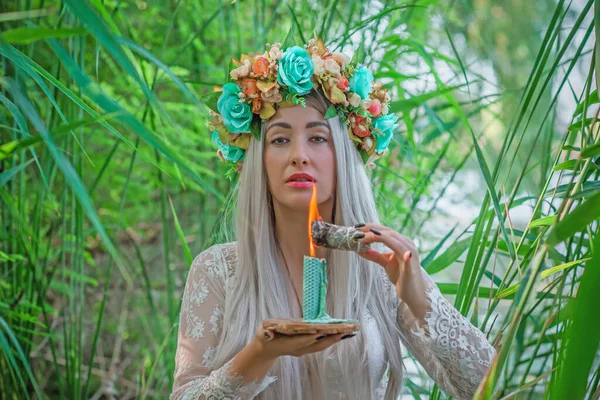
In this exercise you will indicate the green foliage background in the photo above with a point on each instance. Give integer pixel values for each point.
(110, 186)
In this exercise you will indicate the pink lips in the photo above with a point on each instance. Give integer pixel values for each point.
(299, 184)
(300, 180)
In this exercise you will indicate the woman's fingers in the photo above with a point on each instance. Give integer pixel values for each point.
(385, 238)
(326, 342)
(264, 335)
(382, 234)
(299, 345)
(395, 264)
(377, 228)
(299, 341)
(382, 259)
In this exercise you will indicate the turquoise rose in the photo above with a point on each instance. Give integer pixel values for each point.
(296, 70)
(236, 116)
(361, 82)
(384, 127)
(230, 153)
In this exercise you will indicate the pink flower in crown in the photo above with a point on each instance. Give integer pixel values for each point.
(375, 108)
(358, 123)
(343, 84)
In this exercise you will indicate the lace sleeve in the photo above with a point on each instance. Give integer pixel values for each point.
(454, 353)
(200, 324)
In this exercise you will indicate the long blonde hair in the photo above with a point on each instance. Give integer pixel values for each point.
(355, 284)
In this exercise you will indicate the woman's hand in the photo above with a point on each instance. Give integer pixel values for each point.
(271, 345)
(255, 360)
(402, 265)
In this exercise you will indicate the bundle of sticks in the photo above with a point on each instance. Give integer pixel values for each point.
(337, 237)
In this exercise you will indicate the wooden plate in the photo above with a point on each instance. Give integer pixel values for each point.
(297, 327)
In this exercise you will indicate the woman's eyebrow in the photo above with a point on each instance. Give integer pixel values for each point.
(282, 124)
(309, 125)
(317, 123)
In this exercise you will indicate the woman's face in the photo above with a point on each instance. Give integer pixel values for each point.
(298, 150)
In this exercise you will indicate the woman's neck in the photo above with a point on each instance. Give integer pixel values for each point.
(291, 230)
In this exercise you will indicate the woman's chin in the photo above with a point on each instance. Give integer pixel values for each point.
(298, 200)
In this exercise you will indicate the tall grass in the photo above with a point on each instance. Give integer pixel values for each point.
(109, 185)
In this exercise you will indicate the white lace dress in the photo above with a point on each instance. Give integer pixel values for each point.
(453, 352)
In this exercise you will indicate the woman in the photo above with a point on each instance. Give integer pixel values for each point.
(231, 288)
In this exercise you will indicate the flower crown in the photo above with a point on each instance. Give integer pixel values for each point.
(265, 81)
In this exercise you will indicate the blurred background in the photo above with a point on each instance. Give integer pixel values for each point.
(109, 183)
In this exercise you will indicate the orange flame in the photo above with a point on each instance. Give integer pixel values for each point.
(313, 215)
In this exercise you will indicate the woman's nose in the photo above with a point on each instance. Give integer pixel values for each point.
(299, 154)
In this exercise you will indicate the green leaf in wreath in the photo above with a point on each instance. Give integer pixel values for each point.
(331, 112)
(210, 99)
(255, 128)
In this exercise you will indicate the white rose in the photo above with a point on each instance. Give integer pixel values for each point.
(332, 81)
(319, 65)
(242, 71)
(275, 52)
(385, 109)
(332, 67)
(354, 100)
(342, 59)
(272, 96)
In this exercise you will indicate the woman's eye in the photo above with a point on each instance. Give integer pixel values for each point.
(319, 139)
(278, 140)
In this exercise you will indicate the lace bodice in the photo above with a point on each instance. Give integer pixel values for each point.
(453, 352)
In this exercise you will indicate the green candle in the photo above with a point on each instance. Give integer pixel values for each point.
(314, 289)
